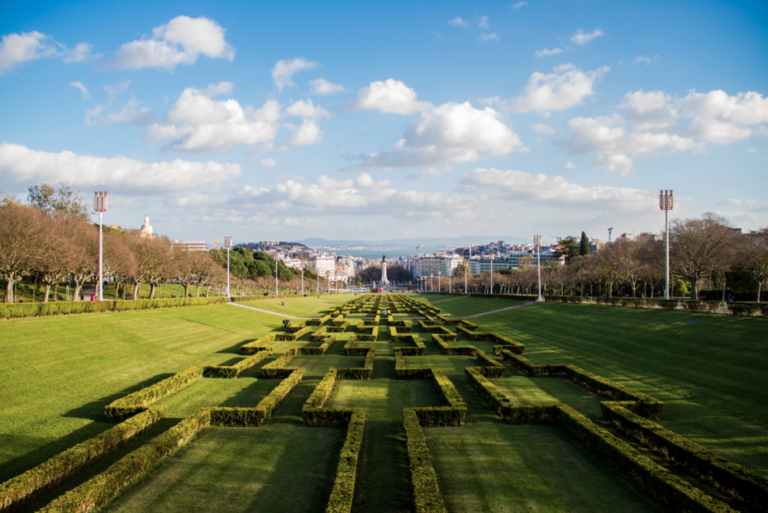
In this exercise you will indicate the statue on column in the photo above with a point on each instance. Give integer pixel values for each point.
(384, 280)
(146, 229)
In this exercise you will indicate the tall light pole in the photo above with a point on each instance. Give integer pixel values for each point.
(466, 272)
(537, 243)
(100, 205)
(328, 280)
(439, 285)
(277, 292)
(228, 245)
(431, 287)
(666, 203)
(490, 256)
(317, 275)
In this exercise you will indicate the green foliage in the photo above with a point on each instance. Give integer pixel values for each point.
(137, 402)
(346, 473)
(259, 344)
(296, 335)
(22, 488)
(20, 310)
(234, 370)
(441, 340)
(585, 248)
(277, 368)
(733, 478)
(256, 416)
(99, 490)
(426, 492)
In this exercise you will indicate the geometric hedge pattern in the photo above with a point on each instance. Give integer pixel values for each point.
(409, 323)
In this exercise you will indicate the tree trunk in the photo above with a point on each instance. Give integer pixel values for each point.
(152, 288)
(9, 290)
(186, 290)
(694, 289)
(56, 291)
(723, 287)
(47, 292)
(759, 290)
(136, 290)
(208, 292)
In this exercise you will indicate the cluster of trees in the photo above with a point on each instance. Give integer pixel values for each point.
(395, 273)
(705, 254)
(51, 241)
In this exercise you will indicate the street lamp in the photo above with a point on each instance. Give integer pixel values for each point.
(466, 272)
(100, 205)
(228, 245)
(537, 243)
(328, 280)
(431, 287)
(439, 286)
(490, 256)
(277, 291)
(666, 204)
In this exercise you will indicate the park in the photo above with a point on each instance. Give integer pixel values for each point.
(384, 402)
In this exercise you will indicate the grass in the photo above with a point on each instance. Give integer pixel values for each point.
(297, 307)
(465, 306)
(63, 370)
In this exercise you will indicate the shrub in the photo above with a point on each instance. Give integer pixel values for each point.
(257, 345)
(366, 372)
(277, 368)
(491, 368)
(426, 492)
(256, 416)
(101, 489)
(137, 402)
(234, 370)
(319, 335)
(346, 473)
(318, 351)
(731, 477)
(20, 489)
(293, 336)
(452, 350)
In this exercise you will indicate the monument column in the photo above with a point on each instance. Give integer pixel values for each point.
(384, 280)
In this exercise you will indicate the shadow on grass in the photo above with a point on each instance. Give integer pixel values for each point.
(94, 410)
(236, 347)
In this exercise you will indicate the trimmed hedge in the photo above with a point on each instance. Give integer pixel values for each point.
(318, 322)
(316, 401)
(374, 334)
(426, 492)
(277, 368)
(339, 319)
(319, 335)
(18, 490)
(366, 372)
(452, 350)
(99, 490)
(339, 328)
(734, 479)
(320, 350)
(137, 402)
(453, 414)
(513, 345)
(21, 310)
(256, 416)
(644, 404)
(257, 345)
(293, 328)
(234, 370)
(490, 367)
(293, 336)
(346, 473)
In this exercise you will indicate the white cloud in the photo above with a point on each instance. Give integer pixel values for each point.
(518, 5)
(541, 128)
(483, 22)
(16, 49)
(642, 59)
(613, 144)
(391, 96)
(489, 37)
(558, 192)
(113, 89)
(307, 109)
(431, 172)
(24, 47)
(265, 163)
(566, 87)
(307, 133)
(284, 70)
(197, 123)
(82, 88)
(458, 22)
(322, 86)
(132, 114)
(569, 165)
(581, 38)
(547, 52)
(181, 41)
(751, 150)
(128, 175)
(452, 132)
(94, 116)
(720, 118)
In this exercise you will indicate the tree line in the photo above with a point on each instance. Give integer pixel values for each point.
(706, 253)
(51, 241)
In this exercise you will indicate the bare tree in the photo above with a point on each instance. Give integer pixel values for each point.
(22, 235)
(753, 258)
(698, 246)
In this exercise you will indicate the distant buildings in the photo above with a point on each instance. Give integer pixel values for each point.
(191, 245)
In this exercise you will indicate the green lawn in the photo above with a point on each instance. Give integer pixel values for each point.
(297, 307)
(64, 370)
(459, 306)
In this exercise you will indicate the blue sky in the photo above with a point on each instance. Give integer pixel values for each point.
(287, 120)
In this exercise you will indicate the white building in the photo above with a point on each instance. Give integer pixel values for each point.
(513, 260)
(432, 265)
(322, 264)
(190, 245)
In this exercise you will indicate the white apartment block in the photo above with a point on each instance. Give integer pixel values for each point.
(324, 264)
(444, 265)
(512, 260)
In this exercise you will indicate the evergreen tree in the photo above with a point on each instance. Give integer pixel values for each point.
(584, 247)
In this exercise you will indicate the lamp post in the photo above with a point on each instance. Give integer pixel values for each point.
(100, 205)
(466, 272)
(431, 287)
(537, 243)
(666, 203)
(439, 285)
(228, 245)
(328, 280)
(490, 256)
(317, 275)
(277, 291)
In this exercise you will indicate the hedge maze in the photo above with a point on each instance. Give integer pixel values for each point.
(394, 339)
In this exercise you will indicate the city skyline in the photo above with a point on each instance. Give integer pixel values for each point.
(284, 121)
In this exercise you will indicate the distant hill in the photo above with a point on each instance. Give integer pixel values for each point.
(264, 246)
